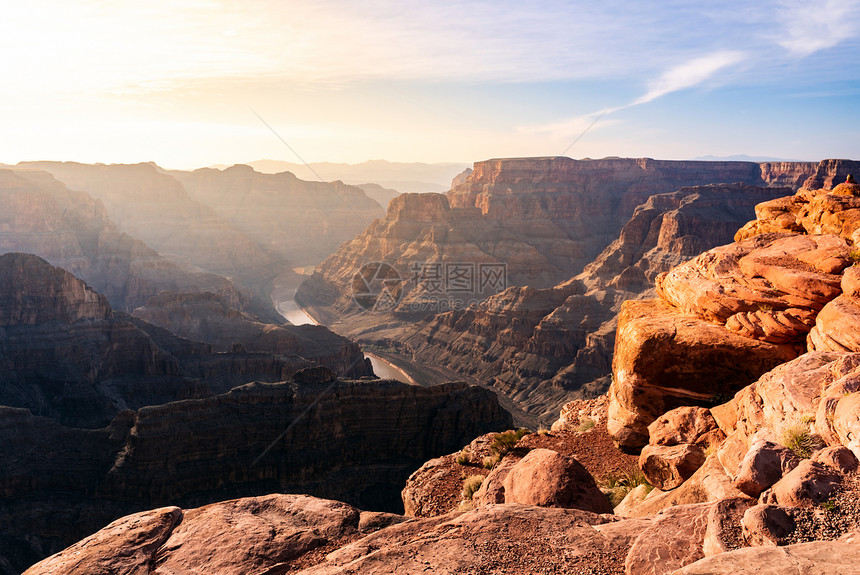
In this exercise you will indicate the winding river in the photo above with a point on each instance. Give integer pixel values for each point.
(297, 316)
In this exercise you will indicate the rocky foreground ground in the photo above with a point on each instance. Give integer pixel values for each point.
(737, 390)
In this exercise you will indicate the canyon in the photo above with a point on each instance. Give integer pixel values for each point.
(735, 388)
(574, 239)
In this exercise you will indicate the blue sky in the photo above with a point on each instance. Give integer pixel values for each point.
(183, 83)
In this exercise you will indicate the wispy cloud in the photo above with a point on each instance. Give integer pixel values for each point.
(811, 26)
(689, 74)
(685, 75)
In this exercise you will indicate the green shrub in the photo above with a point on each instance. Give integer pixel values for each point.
(490, 461)
(505, 441)
(854, 254)
(798, 438)
(471, 484)
(463, 458)
(617, 486)
(586, 424)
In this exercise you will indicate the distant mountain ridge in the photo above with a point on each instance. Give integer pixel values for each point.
(403, 177)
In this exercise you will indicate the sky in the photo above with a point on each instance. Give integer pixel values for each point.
(192, 83)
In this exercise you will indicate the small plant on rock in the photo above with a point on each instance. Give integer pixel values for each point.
(854, 254)
(800, 439)
(490, 461)
(502, 443)
(471, 484)
(505, 441)
(463, 458)
(586, 424)
(616, 486)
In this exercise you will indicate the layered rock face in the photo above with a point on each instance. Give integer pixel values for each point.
(104, 414)
(545, 218)
(150, 204)
(205, 317)
(67, 355)
(295, 219)
(72, 230)
(544, 346)
(357, 441)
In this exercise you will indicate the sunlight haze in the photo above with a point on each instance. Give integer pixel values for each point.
(182, 83)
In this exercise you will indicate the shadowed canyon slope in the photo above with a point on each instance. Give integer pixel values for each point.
(104, 414)
(147, 203)
(303, 221)
(72, 230)
(581, 235)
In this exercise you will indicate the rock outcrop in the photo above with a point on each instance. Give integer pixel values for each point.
(355, 441)
(65, 354)
(769, 289)
(104, 414)
(283, 533)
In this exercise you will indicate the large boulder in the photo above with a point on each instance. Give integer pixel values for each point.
(548, 479)
(688, 424)
(764, 464)
(125, 547)
(665, 360)
(766, 525)
(771, 273)
(808, 483)
(684, 534)
(668, 466)
(250, 535)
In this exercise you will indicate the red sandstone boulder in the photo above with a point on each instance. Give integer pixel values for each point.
(548, 479)
(687, 424)
(668, 466)
(492, 489)
(764, 464)
(808, 483)
(681, 535)
(815, 558)
(839, 458)
(125, 547)
(766, 525)
(767, 287)
(664, 360)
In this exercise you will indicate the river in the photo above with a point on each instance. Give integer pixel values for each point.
(297, 316)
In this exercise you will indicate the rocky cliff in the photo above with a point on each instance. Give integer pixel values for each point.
(303, 221)
(542, 219)
(356, 441)
(763, 478)
(65, 354)
(736, 311)
(104, 413)
(582, 235)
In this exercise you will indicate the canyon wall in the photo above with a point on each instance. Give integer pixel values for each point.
(302, 221)
(583, 236)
